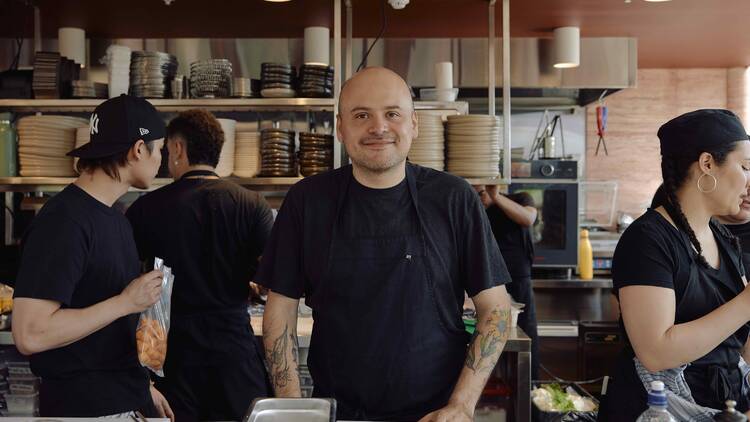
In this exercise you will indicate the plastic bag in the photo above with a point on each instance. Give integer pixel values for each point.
(153, 326)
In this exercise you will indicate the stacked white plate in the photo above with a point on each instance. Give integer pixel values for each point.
(43, 142)
(226, 159)
(83, 136)
(118, 68)
(246, 154)
(428, 149)
(473, 145)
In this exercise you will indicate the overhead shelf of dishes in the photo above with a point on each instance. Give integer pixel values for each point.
(53, 184)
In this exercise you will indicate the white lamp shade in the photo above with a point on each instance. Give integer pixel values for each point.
(567, 47)
(317, 45)
(72, 44)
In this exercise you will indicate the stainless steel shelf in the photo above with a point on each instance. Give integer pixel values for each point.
(53, 184)
(215, 104)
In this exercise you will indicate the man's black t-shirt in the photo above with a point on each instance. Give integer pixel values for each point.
(211, 232)
(370, 213)
(514, 241)
(80, 252)
(457, 233)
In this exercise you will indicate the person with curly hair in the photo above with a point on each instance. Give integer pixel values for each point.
(211, 232)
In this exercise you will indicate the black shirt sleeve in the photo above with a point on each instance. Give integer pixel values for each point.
(481, 264)
(281, 268)
(643, 257)
(260, 225)
(53, 259)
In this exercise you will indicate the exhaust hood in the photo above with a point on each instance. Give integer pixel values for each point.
(607, 66)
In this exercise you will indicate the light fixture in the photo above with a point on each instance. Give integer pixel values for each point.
(567, 47)
(657, 1)
(72, 44)
(317, 45)
(278, 1)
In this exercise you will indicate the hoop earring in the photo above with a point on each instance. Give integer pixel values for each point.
(713, 188)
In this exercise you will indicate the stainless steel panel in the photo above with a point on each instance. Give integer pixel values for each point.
(298, 410)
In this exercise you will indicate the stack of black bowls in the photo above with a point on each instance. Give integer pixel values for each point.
(316, 81)
(315, 153)
(277, 157)
(277, 80)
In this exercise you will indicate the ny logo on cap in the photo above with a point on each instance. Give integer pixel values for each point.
(94, 124)
(143, 131)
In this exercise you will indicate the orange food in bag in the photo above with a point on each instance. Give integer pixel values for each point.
(152, 343)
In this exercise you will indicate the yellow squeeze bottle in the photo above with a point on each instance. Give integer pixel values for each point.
(585, 257)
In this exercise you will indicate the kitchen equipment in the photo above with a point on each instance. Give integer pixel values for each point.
(151, 74)
(44, 141)
(545, 169)
(555, 233)
(473, 145)
(297, 410)
(277, 80)
(544, 139)
(242, 88)
(597, 205)
(428, 149)
(730, 414)
(211, 78)
(278, 158)
(178, 87)
(8, 146)
(52, 75)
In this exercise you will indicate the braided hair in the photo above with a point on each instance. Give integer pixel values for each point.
(674, 171)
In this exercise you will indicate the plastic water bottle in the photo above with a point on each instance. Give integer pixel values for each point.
(657, 405)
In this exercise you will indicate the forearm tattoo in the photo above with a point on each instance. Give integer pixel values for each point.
(278, 364)
(488, 341)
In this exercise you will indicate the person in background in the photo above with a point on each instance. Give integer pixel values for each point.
(679, 278)
(384, 252)
(511, 217)
(211, 232)
(79, 290)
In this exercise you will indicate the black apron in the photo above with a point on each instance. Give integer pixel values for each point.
(714, 378)
(214, 367)
(379, 345)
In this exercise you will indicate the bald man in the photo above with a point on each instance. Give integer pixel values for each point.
(383, 251)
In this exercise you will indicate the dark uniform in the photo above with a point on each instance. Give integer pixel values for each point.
(211, 232)
(653, 252)
(385, 271)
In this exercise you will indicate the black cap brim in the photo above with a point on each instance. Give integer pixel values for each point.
(98, 150)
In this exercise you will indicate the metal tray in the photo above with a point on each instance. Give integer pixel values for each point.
(297, 410)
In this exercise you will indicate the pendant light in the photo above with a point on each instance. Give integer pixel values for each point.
(567, 47)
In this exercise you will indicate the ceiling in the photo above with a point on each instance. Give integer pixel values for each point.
(678, 33)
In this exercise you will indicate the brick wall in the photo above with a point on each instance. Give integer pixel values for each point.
(635, 115)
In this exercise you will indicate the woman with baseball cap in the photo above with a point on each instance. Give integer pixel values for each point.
(79, 289)
(679, 277)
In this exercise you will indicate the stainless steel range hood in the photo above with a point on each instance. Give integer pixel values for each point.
(607, 65)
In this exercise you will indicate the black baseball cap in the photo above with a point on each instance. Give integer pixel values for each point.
(117, 124)
(700, 129)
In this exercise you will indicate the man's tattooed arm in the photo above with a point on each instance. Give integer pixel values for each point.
(281, 345)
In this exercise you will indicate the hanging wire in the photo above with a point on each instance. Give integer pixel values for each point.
(383, 25)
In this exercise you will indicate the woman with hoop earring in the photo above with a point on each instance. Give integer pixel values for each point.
(679, 277)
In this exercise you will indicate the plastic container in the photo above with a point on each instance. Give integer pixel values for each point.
(19, 368)
(8, 147)
(657, 405)
(23, 385)
(585, 257)
(433, 94)
(22, 404)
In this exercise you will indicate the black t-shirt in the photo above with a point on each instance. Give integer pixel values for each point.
(80, 252)
(377, 212)
(652, 252)
(457, 235)
(514, 240)
(211, 232)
